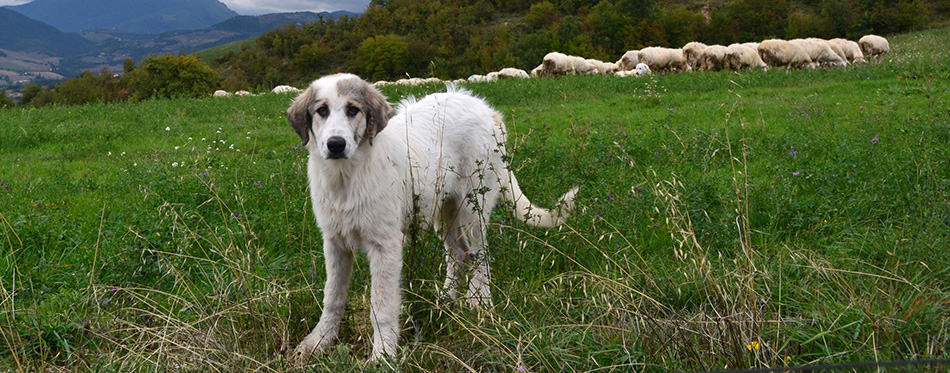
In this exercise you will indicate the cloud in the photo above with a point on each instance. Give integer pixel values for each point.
(256, 7)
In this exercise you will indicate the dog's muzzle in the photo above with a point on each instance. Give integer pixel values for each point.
(336, 148)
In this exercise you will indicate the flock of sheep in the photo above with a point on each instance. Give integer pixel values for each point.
(791, 54)
(796, 53)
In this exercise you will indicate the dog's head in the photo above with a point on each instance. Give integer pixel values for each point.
(339, 112)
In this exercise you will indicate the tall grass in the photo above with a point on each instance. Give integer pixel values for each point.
(724, 221)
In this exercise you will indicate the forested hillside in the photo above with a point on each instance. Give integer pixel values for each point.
(457, 38)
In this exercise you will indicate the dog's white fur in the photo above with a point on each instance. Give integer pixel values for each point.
(440, 158)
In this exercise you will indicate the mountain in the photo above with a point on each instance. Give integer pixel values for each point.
(20, 33)
(31, 50)
(114, 46)
(260, 24)
(136, 16)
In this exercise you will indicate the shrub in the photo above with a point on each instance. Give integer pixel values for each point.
(168, 75)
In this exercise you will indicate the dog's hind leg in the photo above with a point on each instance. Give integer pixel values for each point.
(456, 249)
(479, 286)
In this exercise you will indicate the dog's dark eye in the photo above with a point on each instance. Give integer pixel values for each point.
(352, 111)
(323, 111)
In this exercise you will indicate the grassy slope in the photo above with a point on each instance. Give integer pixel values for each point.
(806, 212)
(210, 54)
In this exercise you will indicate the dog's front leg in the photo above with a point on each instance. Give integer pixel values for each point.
(385, 266)
(339, 265)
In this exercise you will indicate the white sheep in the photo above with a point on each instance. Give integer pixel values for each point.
(284, 89)
(582, 66)
(409, 81)
(603, 68)
(629, 60)
(556, 63)
(837, 50)
(751, 44)
(851, 49)
(477, 78)
(243, 93)
(664, 59)
(536, 72)
(221, 93)
(739, 56)
(511, 72)
(778, 52)
(820, 52)
(693, 51)
(712, 58)
(874, 46)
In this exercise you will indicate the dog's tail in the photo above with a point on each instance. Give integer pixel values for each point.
(534, 215)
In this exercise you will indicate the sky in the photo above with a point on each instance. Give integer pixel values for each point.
(256, 7)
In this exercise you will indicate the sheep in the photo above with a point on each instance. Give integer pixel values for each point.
(739, 56)
(874, 46)
(693, 51)
(221, 93)
(284, 89)
(582, 66)
(837, 50)
(409, 81)
(851, 49)
(629, 60)
(477, 78)
(506, 73)
(751, 44)
(778, 52)
(603, 68)
(664, 59)
(820, 52)
(712, 58)
(243, 93)
(554, 64)
(511, 72)
(536, 72)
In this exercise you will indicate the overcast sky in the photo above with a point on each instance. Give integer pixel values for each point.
(255, 7)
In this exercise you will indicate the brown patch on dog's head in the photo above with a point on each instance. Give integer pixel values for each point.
(299, 114)
(374, 105)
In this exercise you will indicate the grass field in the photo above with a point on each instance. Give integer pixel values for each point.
(725, 221)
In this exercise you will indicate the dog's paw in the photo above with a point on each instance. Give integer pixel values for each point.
(309, 346)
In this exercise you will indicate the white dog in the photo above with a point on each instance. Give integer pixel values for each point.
(441, 158)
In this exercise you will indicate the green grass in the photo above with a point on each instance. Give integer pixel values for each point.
(210, 54)
(806, 214)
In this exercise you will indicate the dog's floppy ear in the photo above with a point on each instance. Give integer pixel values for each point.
(299, 115)
(377, 111)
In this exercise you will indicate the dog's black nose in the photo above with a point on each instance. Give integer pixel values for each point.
(336, 146)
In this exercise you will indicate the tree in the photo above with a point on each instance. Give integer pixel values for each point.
(541, 14)
(168, 75)
(29, 93)
(384, 56)
(5, 101)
